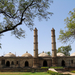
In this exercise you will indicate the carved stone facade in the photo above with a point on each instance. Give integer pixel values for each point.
(42, 60)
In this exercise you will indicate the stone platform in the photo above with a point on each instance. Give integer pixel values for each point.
(23, 70)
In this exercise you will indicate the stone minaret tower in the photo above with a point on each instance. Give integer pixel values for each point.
(54, 59)
(35, 43)
(35, 60)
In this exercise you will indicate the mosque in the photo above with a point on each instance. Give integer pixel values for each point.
(42, 60)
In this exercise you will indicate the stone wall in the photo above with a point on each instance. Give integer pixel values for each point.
(42, 59)
(69, 61)
(21, 61)
(22, 70)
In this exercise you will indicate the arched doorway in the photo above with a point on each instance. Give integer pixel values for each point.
(63, 63)
(44, 63)
(7, 64)
(26, 64)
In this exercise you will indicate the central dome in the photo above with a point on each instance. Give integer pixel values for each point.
(43, 54)
(26, 55)
(10, 55)
(60, 54)
(73, 54)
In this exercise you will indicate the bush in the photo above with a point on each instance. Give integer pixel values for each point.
(44, 67)
(55, 73)
(57, 67)
(73, 71)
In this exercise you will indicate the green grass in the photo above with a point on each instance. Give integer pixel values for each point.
(30, 73)
(24, 73)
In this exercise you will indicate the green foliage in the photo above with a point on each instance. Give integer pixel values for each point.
(65, 50)
(24, 73)
(49, 53)
(57, 67)
(18, 12)
(69, 33)
(55, 73)
(73, 71)
(22, 12)
(44, 67)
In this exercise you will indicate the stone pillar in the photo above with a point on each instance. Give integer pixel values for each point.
(35, 43)
(35, 60)
(54, 59)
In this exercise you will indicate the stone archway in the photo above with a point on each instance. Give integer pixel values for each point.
(63, 63)
(7, 64)
(26, 64)
(44, 63)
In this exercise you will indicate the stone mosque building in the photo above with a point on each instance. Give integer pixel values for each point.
(41, 60)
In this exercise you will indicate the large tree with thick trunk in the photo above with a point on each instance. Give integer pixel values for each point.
(22, 12)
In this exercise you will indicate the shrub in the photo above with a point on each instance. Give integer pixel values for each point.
(44, 67)
(55, 73)
(73, 71)
(57, 67)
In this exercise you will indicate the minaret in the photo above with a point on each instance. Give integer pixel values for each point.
(35, 43)
(35, 60)
(54, 60)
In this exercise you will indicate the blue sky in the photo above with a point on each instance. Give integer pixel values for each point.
(60, 8)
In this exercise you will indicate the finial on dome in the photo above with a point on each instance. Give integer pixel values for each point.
(35, 28)
(43, 52)
(26, 51)
(53, 29)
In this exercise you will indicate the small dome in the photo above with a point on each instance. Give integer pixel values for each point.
(10, 55)
(43, 55)
(60, 54)
(26, 55)
(73, 54)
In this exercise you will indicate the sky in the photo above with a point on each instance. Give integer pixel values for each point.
(60, 8)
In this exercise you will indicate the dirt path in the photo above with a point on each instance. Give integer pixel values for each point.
(68, 73)
(62, 72)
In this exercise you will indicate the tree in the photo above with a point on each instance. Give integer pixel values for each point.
(65, 50)
(22, 12)
(69, 33)
(49, 53)
(17, 12)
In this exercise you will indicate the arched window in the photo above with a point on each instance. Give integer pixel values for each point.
(12, 63)
(63, 63)
(26, 64)
(7, 64)
(44, 63)
(3, 62)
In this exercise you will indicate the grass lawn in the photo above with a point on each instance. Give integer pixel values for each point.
(24, 73)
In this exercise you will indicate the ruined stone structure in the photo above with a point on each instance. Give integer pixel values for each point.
(42, 60)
